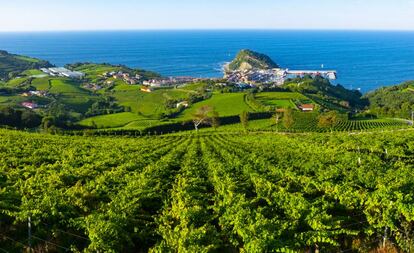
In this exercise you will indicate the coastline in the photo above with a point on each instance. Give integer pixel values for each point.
(360, 57)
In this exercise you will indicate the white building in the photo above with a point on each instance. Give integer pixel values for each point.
(63, 72)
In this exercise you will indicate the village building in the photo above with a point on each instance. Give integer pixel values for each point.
(184, 104)
(30, 105)
(39, 93)
(307, 107)
(146, 89)
(93, 86)
(63, 72)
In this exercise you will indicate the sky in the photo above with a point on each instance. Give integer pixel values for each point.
(62, 15)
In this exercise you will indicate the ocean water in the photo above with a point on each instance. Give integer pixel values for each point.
(363, 59)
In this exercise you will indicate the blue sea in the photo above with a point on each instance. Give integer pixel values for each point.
(363, 59)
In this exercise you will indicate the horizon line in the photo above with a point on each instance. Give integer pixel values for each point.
(210, 29)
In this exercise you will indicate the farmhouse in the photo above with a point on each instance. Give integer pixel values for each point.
(93, 86)
(30, 105)
(307, 107)
(184, 104)
(146, 89)
(39, 93)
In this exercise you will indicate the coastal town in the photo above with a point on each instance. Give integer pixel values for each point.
(276, 76)
(241, 78)
(249, 69)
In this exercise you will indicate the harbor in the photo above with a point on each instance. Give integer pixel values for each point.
(277, 76)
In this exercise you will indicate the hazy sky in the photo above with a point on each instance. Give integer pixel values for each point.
(44, 15)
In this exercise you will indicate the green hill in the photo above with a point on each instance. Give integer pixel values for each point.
(226, 104)
(394, 101)
(11, 65)
(105, 100)
(94, 71)
(333, 97)
(247, 59)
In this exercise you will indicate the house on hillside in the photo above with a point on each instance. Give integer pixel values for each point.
(307, 107)
(93, 86)
(146, 89)
(39, 93)
(30, 105)
(130, 81)
(184, 104)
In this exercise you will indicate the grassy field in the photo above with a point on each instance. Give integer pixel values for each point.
(226, 104)
(283, 103)
(127, 87)
(193, 86)
(281, 95)
(26, 58)
(41, 83)
(11, 100)
(124, 120)
(32, 72)
(4, 99)
(281, 99)
(143, 124)
(148, 104)
(17, 82)
(96, 69)
(71, 94)
(112, 120)
(65, 86)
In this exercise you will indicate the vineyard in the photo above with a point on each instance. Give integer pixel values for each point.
(308, 122)
(207, 193)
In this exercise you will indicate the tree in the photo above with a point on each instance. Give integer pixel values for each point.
(30, 119)
(244, 119)
(203, 115)
(288, 119)
(11, 117)
(276, 118)
(94, 125)
(328, 120)
(405, 110)
(47, 122)
(215, 119)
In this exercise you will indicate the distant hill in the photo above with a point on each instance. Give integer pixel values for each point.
(394, 101)
(334, 97)
(247, 59)
(11, 64)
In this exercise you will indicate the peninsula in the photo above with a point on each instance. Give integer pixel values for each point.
(251, 67)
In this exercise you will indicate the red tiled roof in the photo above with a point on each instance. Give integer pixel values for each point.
(307, 106)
